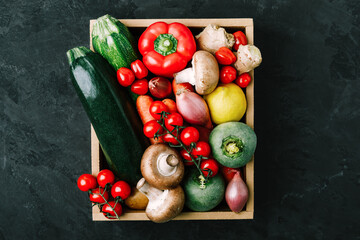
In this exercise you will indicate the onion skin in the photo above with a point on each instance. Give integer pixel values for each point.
(160, 87)
(236, 194)
(193, 108)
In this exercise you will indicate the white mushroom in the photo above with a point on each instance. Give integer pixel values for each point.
(163, 205)
(214, 37)
(248, 58)
(204, 73)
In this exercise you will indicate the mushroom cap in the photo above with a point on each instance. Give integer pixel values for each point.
(206, 72)
(151, 171)
(167, 206)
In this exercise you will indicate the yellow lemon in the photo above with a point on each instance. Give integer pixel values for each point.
(227, 103)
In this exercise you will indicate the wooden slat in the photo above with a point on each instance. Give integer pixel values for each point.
(132, 215)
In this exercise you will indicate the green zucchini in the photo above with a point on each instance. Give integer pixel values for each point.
(107, 104)
(112, 40)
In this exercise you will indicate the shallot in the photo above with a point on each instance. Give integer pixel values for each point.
(193, 108)
(236, 194)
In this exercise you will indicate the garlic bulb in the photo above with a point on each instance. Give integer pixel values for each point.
(248, 58)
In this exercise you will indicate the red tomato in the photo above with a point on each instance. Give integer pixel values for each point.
(160, 87)
(139, 69)
(125, 76)
(109, 212)
(243, 80)
(201, 149)
(152, 127)
(225, 56)
(240, 39)
(170, 139)
(121, 189)
(189, 135)
(104, 177)
(173, 119)
(229, 173)
(95, 196)
(156, 108)
(227, 74)
(204, 133)
(140, 87)
(86, 182)
(209, 164)
(186, 157)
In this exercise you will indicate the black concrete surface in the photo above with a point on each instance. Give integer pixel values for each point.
(307, 119)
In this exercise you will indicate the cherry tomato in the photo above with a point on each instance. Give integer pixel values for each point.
(156, 108)
(104, 177)
(209, 164)
(225, 56)
(240, 39)
(170, 139)
(109, 212)
(95, 196)
(202, 148)
(229, 173)
(139, 69)
(125, 76)
(121, 189)
(86, 182)
(243, 80)
(227, 74)
(152, 127)
(140, 87)
(189, 135)
(160, 87)
(173, 119)
(187, 159)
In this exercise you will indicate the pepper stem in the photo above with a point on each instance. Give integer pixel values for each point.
(165, 44)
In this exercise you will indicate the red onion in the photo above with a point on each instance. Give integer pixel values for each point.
(237, 193)
(193, 108)
(160, 87)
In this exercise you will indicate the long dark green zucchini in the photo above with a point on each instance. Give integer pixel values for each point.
(109, 108)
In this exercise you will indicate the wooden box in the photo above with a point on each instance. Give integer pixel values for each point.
(137, 26)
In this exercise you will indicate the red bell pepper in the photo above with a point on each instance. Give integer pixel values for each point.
(166, 48)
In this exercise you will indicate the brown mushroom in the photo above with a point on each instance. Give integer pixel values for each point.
(163, 205)
(204, 73)
(162, 166)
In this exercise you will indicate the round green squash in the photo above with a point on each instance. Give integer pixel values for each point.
(203, 199)
(233, 144)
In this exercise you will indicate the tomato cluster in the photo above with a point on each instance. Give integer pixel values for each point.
(101, 187)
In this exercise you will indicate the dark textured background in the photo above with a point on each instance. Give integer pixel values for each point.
(307, 118)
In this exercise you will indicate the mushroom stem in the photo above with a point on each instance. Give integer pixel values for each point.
(150, 192)
(186, 75)
(167, 164)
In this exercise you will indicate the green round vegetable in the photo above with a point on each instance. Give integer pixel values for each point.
(203, 199)
(233, 144)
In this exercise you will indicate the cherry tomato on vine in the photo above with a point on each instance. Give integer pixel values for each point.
(121, 189)
(209, 164)
(156, 108)
(243, 80)
(173, 119)
(86, 182)
(125, 76)
(189, 135)
(240, 39)
(202, 148)
(227, 74)
(140, 86)
(139, 69)
(109, 212)
(104, 177)
(170, 139)
(187, 159)
(225, 56)
(95, 196)
(229, 173)
(152, 127)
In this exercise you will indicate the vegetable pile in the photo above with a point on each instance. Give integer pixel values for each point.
(171, 130)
